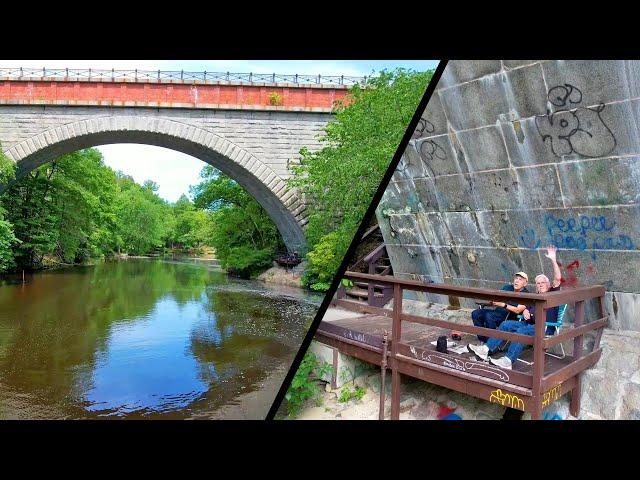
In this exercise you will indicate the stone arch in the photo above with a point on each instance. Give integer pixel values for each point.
(283, 204)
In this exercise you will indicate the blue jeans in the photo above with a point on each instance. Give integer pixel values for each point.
(486, 318)
(515, 349)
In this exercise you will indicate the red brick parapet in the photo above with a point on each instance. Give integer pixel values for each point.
(191, 94)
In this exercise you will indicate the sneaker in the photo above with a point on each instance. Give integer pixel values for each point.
(502, 362)
(482, 351)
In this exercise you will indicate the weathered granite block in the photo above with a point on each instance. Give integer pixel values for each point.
(464, 71)
(434, 119)
(611, 181)
(430, 156)
(517, 63)
(482, 149)
(597, 81)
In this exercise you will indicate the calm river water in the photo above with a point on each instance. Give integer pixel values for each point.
(144, 339)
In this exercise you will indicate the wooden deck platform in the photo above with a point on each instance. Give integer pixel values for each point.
(525, 387)
(417, 339)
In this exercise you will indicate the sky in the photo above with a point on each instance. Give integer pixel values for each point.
(173, 171)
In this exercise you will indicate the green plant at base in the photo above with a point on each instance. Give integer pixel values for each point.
(347, 394)
(275, 99)
(322, 262)
(303, 386)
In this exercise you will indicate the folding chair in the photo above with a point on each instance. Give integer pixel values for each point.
(561, 311)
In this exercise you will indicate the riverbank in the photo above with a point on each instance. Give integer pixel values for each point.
(277, 275)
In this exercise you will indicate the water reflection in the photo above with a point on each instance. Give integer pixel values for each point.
(140, 339)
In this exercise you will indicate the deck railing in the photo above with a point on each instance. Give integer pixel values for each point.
(559, 382)
(70, 74)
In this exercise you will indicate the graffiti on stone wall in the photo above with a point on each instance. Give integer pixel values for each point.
(574, 129)
(428, 150)
(594, 232)
(581, 232)
(424, 127)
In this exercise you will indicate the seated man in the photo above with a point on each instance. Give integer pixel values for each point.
(526, 327)
(483, 317)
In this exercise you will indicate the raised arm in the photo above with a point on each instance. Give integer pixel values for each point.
(557, 275)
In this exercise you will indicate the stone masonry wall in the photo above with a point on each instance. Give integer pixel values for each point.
(256, 148)
(512, 156)
(274, 137)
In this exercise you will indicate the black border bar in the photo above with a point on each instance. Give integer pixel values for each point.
(356, 239)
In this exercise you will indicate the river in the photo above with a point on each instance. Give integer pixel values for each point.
(145, 339)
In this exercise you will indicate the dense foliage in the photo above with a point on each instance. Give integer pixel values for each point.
(76, 208)
(7, 238)
(340, 179)
(244, 236)
(305, 383)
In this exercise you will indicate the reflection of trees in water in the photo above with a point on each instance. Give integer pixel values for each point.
(52, 328)
(247, 338)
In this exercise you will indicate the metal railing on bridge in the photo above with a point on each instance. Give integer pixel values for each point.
(175, 75)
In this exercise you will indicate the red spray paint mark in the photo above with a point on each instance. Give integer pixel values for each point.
(444, 411)
(572, 276)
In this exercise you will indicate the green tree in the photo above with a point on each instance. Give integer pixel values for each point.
(7, 237)
(62, 208)
(339, 180)
(241, 231)
(191, 226)
(141, 216)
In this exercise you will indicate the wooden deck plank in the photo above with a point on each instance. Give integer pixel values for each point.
(416, 342)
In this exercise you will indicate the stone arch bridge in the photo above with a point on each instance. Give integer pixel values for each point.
(249, 128)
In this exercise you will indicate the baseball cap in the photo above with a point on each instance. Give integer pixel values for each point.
(523, 275)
